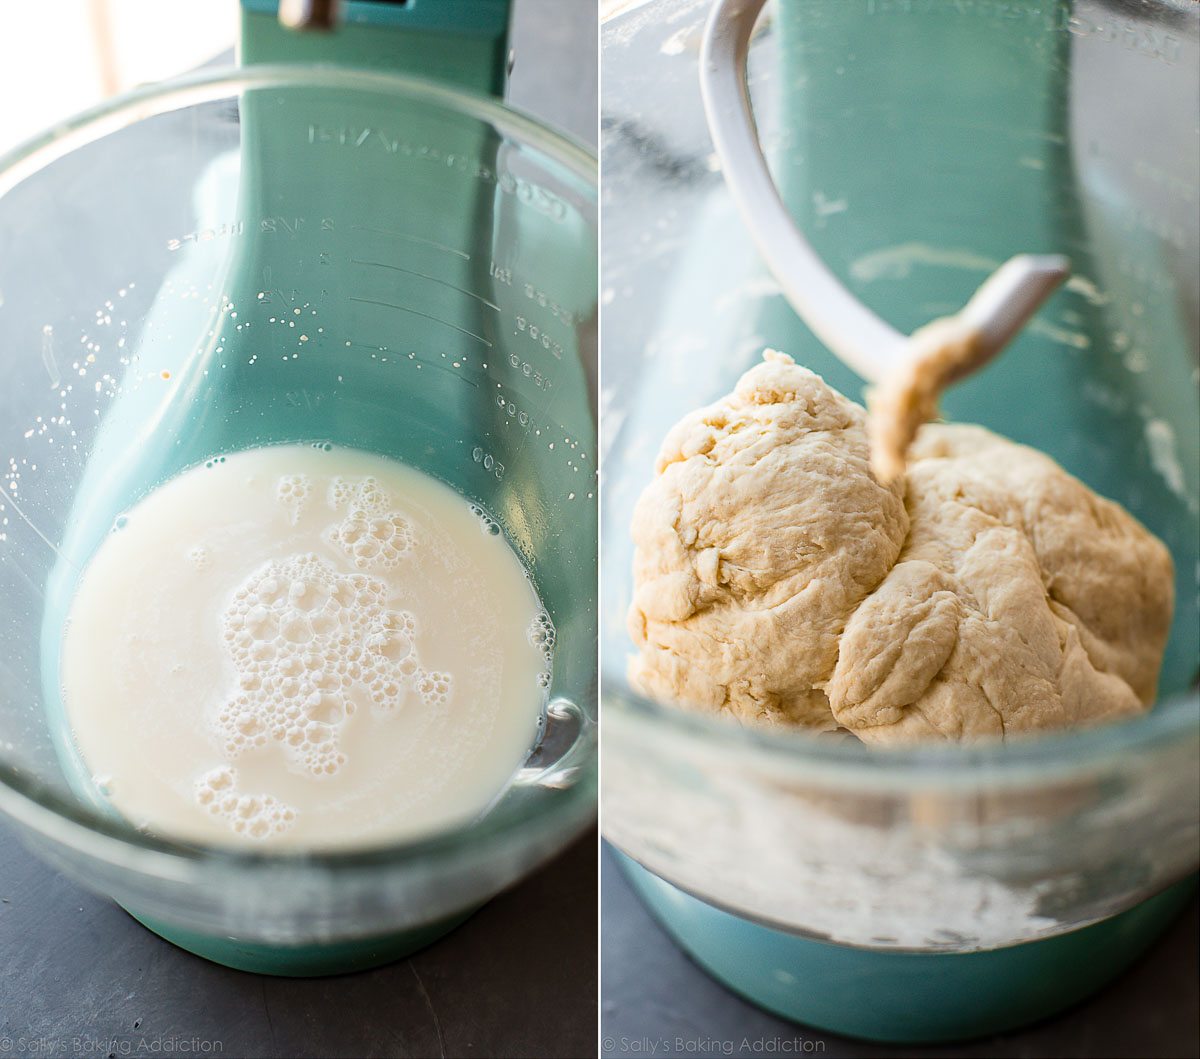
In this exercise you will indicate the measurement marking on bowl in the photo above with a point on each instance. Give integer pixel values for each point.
(420, 361)
(435, 319)
(412, 238)
(432, 279)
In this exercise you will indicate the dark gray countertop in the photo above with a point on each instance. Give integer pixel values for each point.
(79, 977)
(652, 991)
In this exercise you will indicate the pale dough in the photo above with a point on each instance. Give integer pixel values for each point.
(937, 355)
(983, 593)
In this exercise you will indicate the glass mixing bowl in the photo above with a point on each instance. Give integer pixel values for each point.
(918, 145)
(282, 254)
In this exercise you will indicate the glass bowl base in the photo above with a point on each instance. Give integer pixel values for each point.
(905, 997)
(305, 961)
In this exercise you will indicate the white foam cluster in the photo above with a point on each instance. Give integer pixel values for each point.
(308, 642)
(341, 492)
(370, 534)
(434, 687)
(199, 557)
(293, 491)
(543, 636)
(255, 815)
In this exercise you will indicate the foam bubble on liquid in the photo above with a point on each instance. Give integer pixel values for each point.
(434, 687)
(309, 644)
(255, 815)
(371, 534)
(199, 557)
(543, 636)
(292, 492)
(488, 524)
(341, 490)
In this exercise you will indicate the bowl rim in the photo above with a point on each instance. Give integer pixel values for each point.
(107, 838)
(211, 84)
(1050, 757)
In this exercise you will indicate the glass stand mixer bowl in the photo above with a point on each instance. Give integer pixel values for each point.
(932, 893)
(320, 251)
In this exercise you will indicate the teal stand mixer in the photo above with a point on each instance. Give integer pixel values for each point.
(928, 894)
(346, 241)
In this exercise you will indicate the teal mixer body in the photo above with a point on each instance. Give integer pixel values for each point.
(917, 146)
(373, 266)
(306, 210)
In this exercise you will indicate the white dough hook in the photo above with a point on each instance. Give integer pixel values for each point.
(868, 345)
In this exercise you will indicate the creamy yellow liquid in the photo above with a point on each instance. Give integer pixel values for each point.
(304, 648)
